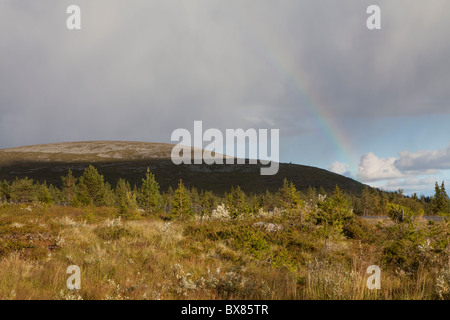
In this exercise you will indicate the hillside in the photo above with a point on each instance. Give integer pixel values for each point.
(129, 160)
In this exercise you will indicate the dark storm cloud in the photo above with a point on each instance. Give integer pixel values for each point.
(139, 69)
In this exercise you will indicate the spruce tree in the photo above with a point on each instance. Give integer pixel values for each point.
(440, 200)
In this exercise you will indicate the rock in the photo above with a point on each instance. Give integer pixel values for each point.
(267, 226)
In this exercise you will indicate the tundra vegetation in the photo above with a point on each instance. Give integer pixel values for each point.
(139, 242)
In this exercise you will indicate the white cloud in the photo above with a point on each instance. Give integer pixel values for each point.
(339, 168)
(372, 168)
(413, 172)
(408, 164)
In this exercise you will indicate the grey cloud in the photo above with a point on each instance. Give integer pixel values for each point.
(424, 160)
(139, 69)
(408, 164)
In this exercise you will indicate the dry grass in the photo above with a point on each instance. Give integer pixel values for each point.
(154, 259)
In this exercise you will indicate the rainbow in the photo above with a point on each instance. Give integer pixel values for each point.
(269, 47)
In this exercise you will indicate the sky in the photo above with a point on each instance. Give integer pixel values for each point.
(373, 105)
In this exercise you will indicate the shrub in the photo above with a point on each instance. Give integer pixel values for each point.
(112, 233)
(333, 211)
(400, 213)
(442, 285)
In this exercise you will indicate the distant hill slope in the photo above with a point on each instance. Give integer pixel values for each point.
(129, 160)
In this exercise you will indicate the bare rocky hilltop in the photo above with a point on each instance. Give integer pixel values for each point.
(129, 160)
(90, 151)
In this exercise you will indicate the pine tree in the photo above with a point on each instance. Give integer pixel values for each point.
(366, 201)
(128, 204)
(335, 210)
(109, 196)
(237, 203)
(55, 193)
(382, 204)
(446, 208)
(23, 190)
(91, 188)
(181, 204)
(69, 187)
(43, 194)
(208, 202)
(311, 195)
(400, 213)
(195, 201)
(124, 198)
(167, 199)
(121, 190)
(289, 197)
(149, 196)
(256, 203)
(267, 201)
(5, 191)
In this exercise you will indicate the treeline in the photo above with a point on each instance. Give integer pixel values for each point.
(91, 189)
